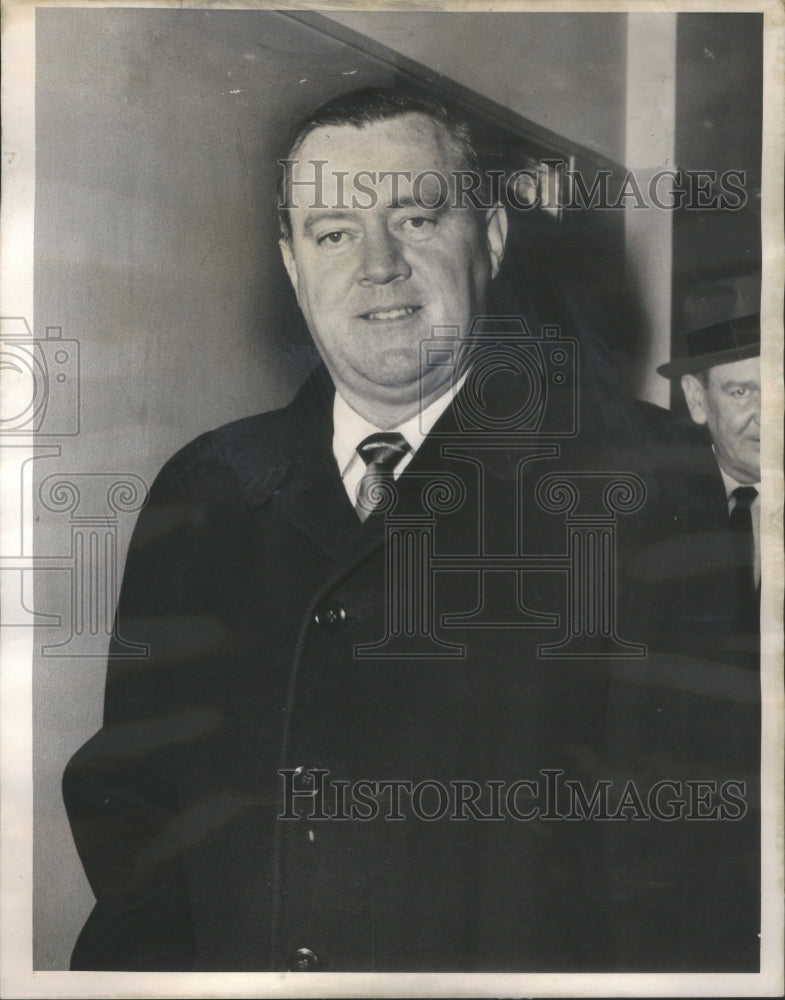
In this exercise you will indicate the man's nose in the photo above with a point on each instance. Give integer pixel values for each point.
(383, 260)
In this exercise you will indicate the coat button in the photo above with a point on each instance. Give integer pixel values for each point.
(304, 960)
(330, 616)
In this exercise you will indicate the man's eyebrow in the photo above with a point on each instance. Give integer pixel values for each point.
(317, 218)
(738, 384)
(408, 201)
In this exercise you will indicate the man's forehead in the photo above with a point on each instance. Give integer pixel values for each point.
(411, 142)
(747, 370)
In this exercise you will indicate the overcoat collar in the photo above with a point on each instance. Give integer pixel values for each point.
(702, 498)
(308, 488)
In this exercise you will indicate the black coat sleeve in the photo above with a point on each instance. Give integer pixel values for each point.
(120, 789)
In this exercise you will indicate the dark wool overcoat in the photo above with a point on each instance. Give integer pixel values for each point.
(239, 808)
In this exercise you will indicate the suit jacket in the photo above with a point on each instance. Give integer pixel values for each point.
(284, 659)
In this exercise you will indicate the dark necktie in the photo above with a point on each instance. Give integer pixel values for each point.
(741, 515)
(744, 555)
(381, 454)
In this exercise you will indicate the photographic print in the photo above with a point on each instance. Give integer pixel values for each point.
(392, 500)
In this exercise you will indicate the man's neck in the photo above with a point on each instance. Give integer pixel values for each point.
(385, 415)
(733, 475)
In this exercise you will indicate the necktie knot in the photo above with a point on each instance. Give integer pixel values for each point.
(381, 453)
(741, 516)
(383, 450)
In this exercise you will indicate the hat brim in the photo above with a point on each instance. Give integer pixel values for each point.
(687, 366)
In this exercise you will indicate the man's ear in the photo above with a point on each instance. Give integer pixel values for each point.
(695, 394)
(288, 261)
(496, 234)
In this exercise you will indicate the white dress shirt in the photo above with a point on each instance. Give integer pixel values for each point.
(730, 485)
(350, 429)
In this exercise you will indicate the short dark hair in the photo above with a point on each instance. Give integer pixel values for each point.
(365, 107)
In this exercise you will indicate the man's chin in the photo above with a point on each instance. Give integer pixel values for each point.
(395, 371)
(748, 473)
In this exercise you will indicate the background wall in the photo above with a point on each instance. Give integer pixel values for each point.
(719, 80)
(565, 72)
(157, 133)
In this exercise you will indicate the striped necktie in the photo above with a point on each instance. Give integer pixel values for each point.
(381, 454)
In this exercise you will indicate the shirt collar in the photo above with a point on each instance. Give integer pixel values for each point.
(349, 428)
(731, 484)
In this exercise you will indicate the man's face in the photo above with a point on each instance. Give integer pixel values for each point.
(729, 404)
(373, 279)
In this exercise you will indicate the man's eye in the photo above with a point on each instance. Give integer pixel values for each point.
(418, 225)
(740, 392)
(332, 239)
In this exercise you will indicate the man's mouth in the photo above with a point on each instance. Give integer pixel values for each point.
(389, 315)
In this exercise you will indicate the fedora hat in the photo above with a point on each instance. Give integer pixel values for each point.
(731, 340)
(719, 344)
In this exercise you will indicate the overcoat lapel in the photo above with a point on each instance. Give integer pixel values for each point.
(310, 493)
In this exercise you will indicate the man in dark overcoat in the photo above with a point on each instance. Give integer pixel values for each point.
(692, 586)
(371, 733)
(720, 379)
